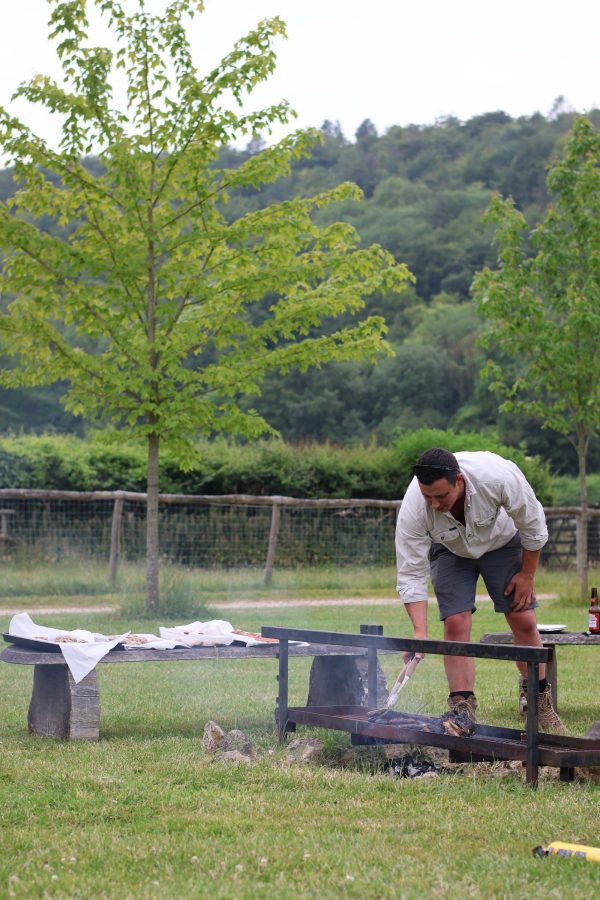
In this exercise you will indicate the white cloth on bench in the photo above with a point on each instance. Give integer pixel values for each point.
(81, 655)
(216, 633)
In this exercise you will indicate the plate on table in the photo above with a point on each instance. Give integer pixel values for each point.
(40, 644)
(551, 629)
(245, 638)
(32, 644)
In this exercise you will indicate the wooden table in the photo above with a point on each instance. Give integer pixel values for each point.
(571, 638)
(61, 708)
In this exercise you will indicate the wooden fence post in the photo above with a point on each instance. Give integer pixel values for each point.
(115, 540)
(272, 548)
(4, 516)
(582, 552)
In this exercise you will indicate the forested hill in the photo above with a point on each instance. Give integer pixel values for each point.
(426, 188)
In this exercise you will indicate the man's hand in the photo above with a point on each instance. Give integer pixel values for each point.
(524, 587)
(410, 654)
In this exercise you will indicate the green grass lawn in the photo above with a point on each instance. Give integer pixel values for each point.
(146, 813)
(84, 583)
(81, 581)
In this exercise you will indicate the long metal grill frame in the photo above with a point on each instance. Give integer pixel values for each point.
(565, 752)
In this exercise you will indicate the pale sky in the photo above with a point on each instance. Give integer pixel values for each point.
(393, 61)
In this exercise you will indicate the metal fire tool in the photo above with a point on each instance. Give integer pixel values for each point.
(400, 682)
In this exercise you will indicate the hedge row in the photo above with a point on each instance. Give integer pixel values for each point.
(565, 489)
(67, 462)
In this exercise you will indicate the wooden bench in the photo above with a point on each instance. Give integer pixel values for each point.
(61, 708)
(561, 638)
(488, 742)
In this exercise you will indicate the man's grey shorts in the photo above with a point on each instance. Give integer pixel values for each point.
(454, 578)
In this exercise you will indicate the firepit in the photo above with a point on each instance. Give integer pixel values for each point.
(488, 743)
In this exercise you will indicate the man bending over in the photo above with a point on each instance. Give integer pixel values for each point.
(466, 515)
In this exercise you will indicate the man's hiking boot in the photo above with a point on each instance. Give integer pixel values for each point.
(523, 697)
(548, 719)
(461, 705)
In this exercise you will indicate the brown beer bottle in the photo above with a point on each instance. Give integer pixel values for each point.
(594, 613)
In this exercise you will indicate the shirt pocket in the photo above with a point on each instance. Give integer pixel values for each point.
(444, 535)
(486, 518)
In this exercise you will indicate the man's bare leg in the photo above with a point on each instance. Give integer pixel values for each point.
(460, 670)
(525, 633)
(524, 628)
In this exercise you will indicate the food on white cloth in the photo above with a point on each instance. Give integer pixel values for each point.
(139, 639)
(255, 636)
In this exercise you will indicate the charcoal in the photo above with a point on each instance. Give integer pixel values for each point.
(459, 724)
(409, 766)
(391, 717)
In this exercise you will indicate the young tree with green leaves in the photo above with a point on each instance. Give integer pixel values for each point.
(126, 279)
(542, 305)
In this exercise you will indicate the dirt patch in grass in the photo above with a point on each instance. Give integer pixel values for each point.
(239, 604)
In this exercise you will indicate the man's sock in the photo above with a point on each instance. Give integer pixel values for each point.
(465, 694)
(543, 684)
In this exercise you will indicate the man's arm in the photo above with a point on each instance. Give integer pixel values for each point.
(523, 583)
(527, 512)
(524, 508)
(412, 555)
(417, 613)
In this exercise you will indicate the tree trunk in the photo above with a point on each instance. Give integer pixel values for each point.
(582, 544)
(152, 526)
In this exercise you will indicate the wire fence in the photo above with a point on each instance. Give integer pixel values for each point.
(232, 531)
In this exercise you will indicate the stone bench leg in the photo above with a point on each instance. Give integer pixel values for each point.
(60, 708)
(343, 681)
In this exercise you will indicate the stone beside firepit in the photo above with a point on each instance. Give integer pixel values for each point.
(305, 750)
(230, 746)
(594, 731)
(233, 756)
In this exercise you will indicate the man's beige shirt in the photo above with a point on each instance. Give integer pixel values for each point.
(499, 501)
